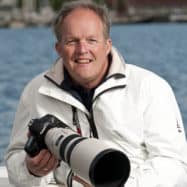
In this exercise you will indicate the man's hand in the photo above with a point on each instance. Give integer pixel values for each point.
(41, 164)
(81, 181)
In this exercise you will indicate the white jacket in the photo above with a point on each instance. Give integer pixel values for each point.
(134, 110)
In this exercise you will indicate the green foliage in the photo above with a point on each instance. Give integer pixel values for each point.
(38, 5)
(99, 1)
(19, 3)
(56, 4)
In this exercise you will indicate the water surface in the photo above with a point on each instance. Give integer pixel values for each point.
(26, 52)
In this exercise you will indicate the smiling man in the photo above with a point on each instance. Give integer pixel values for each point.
(83, 49)
(93, 90)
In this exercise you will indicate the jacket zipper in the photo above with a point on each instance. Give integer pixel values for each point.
(91, 117)
(92, 125)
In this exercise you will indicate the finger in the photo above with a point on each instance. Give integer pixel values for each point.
(32, 166)
(37, 163)
(45, 157)
(42, 164)
(41, 159)
(51, 165)
(48, 163)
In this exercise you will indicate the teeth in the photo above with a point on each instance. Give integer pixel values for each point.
(83, 61)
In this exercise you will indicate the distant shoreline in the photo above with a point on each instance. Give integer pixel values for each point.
(33, 19)
(23, 24)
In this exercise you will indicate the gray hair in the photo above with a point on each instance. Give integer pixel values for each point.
(68, 7)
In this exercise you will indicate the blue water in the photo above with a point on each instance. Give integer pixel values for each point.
(24, 53)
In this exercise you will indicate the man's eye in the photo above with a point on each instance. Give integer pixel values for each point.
(92, 41)
(70, 42)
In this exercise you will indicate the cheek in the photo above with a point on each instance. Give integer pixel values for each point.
(103, 51)
(67, 56)
(66, 53)
(101, 55)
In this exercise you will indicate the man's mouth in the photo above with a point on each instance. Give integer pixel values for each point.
(83, 61)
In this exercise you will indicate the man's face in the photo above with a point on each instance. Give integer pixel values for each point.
(83, 47)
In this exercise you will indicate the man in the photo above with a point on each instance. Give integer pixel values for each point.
(132, 109)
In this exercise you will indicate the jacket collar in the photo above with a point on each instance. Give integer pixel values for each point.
(115, 79)
(118, 66)
(56, 73)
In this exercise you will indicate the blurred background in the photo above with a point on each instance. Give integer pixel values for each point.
(149, 33)
(21, 13)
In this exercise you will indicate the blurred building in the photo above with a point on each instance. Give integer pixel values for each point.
(39, 12)
(146, 4)
(33, 5)
(153, 5)
(6, 6)
(148, 10)
(7, 3)
(157, 3)
(21, 13)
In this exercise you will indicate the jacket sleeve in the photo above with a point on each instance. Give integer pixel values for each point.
(15, 156)
(164, 139)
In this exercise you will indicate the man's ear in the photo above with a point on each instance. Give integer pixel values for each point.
(58, 48)
(109, 45)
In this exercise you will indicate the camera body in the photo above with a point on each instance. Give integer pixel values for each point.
(38, 128)
(93, 160)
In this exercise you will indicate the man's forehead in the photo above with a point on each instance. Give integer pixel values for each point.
(82, 13)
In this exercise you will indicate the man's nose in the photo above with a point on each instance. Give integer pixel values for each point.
(82, 47)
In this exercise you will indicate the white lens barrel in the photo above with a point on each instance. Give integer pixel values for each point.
(91, 159)
(99, 164)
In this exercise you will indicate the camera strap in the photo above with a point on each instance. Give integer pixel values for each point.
(76, 123)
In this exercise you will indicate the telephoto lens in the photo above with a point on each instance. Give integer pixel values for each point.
(92, 159)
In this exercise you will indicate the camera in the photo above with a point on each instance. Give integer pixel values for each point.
(92, 159)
